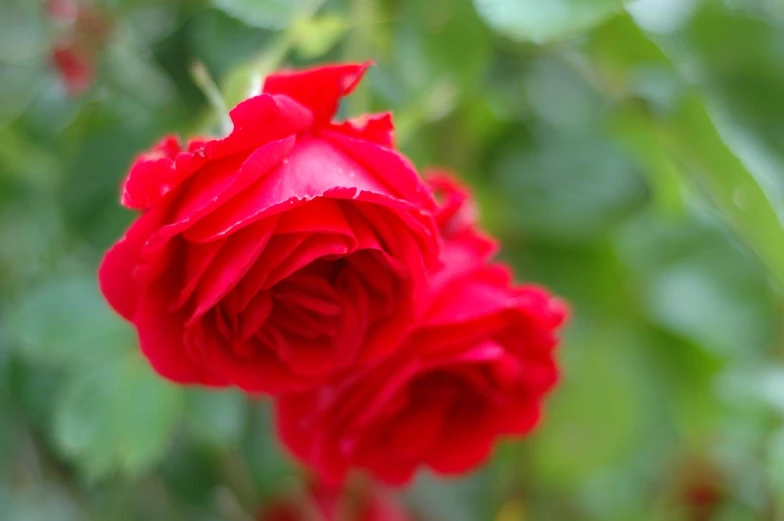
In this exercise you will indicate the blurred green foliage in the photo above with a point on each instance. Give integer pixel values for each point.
(629, 155)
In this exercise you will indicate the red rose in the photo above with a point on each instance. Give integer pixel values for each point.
(279, 256)
(327, 503)
(475, 369)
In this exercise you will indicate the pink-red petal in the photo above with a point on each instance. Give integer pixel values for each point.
(377, 128)
(389, 166)
(318, 89)
(161, 340)
(115, 274)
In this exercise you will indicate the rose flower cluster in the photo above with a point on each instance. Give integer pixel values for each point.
(305, 259)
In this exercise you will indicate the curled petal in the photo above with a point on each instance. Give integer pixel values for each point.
(157, 172)
(260, 120)
(376, 128)
(391, 167)
(206, 192)
(457, 211)
(115, 274)
(313, 168)
(234, 260)
(319, 89)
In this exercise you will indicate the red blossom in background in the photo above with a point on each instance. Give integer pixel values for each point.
(76, 69)
(701, 491)
(81, 31)
(475, 369)
(326, 503)
(291, 252)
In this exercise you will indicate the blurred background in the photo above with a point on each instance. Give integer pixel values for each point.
(628, 154)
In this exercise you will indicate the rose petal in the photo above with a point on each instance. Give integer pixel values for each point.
(468, 299)
(161, 340)
(260, 120)
(522, 419)
(263, 373)
(312, 168)
(320, 215)
(377, 128)
(198, 258)
(157, 172)
(319, 89)
(389, 166)
(222, 183)
(464, 254)
(413, 435)
(312, 248)
(115, 274)
(457, 212)
(461, 455)
(193, 206)
(234, 260)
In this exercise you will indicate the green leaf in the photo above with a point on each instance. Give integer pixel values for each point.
(24, 33)
(754, 387)
(20, 85)
(41, 502)
(262, 452)
(273, 14)
(690, 298)
(574, 443)
(118, 417)
(312, 37)
(315, 36)
(66, 322)
(775, 465)
(700, 285)
(24, 47)
(709, 157)
(709, 150)
(557, 196)
(32, 387)
(130, 64)
(456, 500)
(541, 21)
(216, 417)
(24, 159)
(227, 46)
(662, 16)
(442, 41)
(561, 98)
(743, 78)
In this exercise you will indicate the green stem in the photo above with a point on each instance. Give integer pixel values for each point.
(203, 78)
(237, 478)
